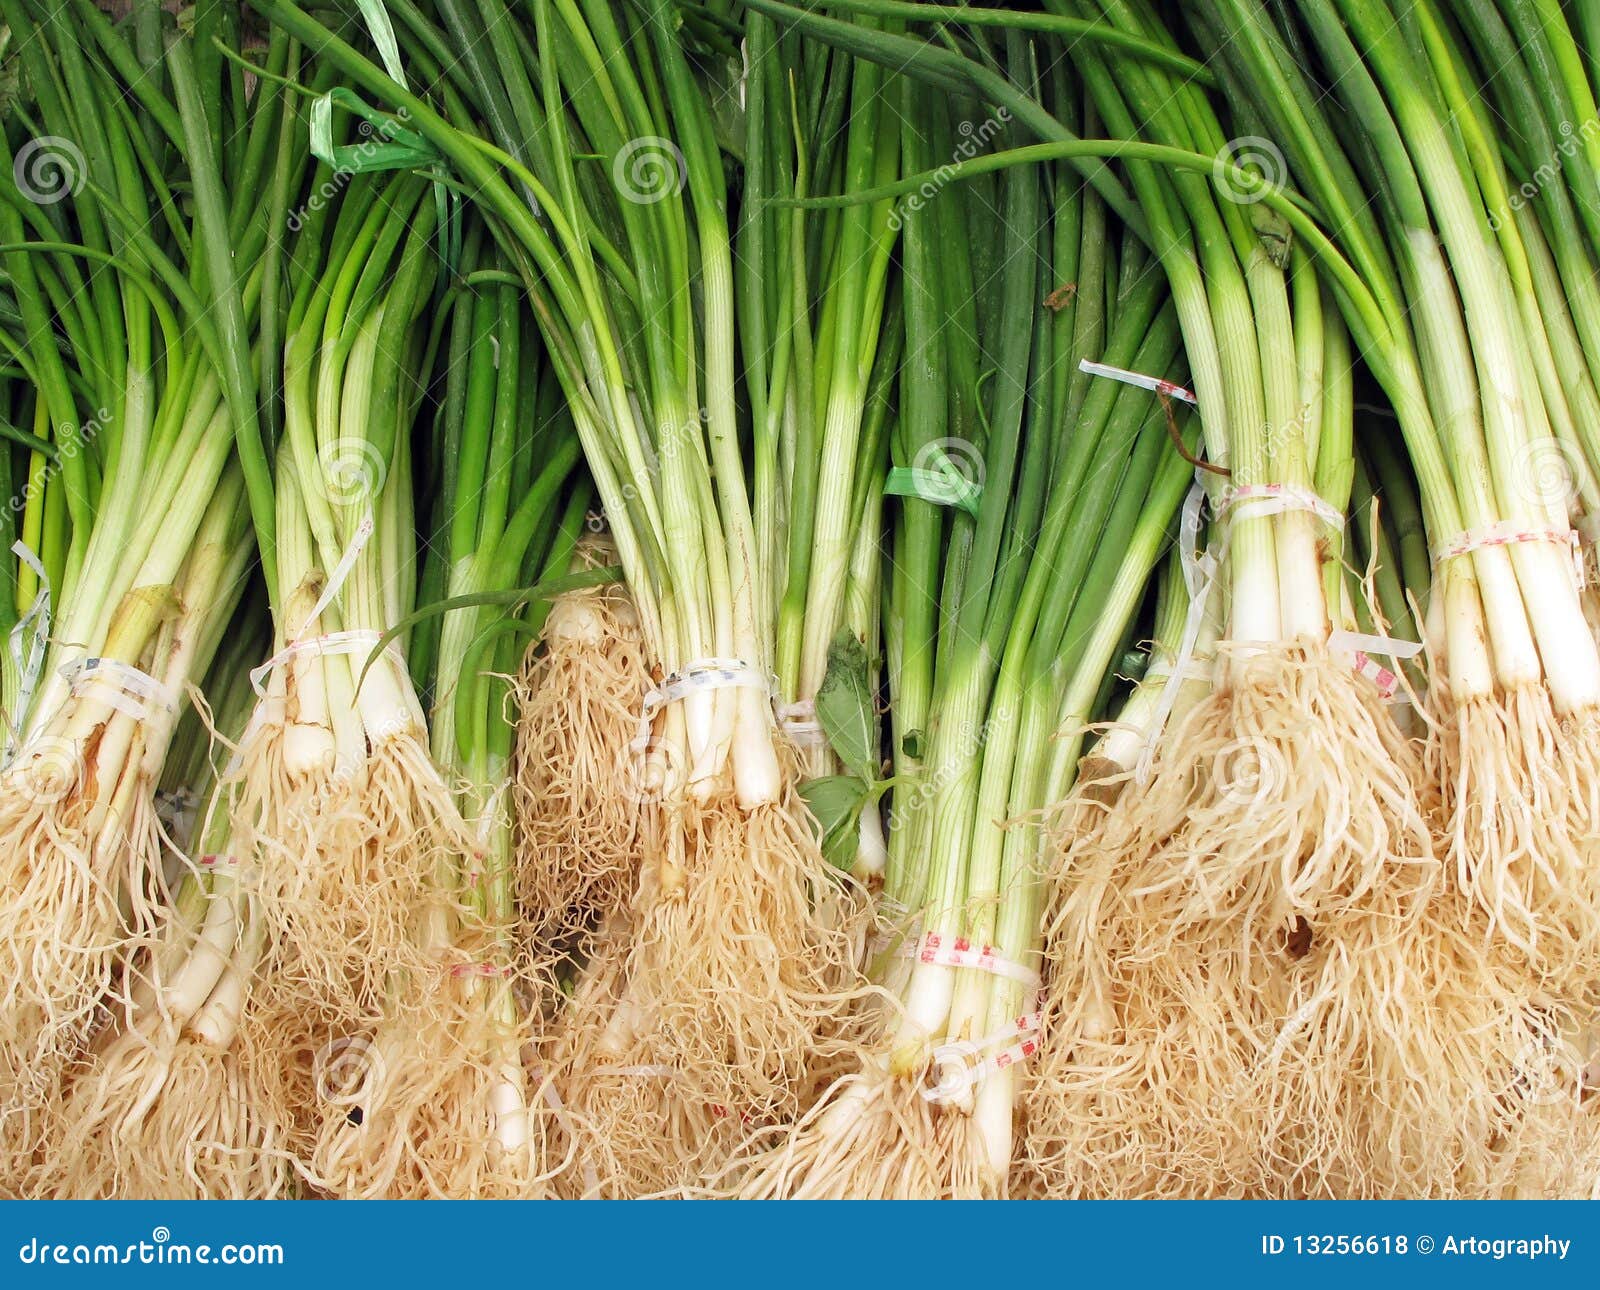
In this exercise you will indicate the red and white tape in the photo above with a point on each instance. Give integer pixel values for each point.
(959, 952)
(1510, 533)
(959, 1072)
(1360, 648)
(1152, 383)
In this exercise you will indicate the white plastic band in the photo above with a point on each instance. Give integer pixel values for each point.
(1277, 499)
(28, 651)
(130, 691)
(1509, 533)
(959, 952)
(552, 1099)
(352, 642)
(1360, 648)
(959, 1074)
(1192, 669)
(1200, 569)
(691, 678)
(799, 722)
(341, 571)
(1152, 383)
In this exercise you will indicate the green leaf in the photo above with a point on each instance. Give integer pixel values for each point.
(845, 709)
(836, 801)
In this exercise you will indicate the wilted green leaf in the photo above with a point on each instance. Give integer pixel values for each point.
(836, 801)
(845, 709)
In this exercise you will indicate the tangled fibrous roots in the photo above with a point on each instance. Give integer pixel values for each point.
(1521, 799)
(1228, 945)
(79, 889)
(871, 1137)
(1200, 1044)
(343, 868)
(624, 1124)
(435, 1103)
(577, 807)
(1288, 795)
(742, 974)
(165, 1116)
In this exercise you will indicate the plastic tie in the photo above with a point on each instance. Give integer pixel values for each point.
(1360, 648)
(1510, 533)
(135, 694)
(29, 639)
(1155, 384)
(351, 642)
(959, 952)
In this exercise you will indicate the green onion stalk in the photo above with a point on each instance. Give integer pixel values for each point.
(157, 1107)
(1289, 834)
(445, 1108)
(142, 388)
(736, 981)
(1518, 212)
(347, 819)
(1513, 666)
(1006, 629)
(338, 801)
(814, 288)
(1327, 952)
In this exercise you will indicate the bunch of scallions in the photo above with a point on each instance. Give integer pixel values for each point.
(137, 537)
(726, 995)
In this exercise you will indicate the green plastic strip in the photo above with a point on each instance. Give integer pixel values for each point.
(392, 146)
(944, 486)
